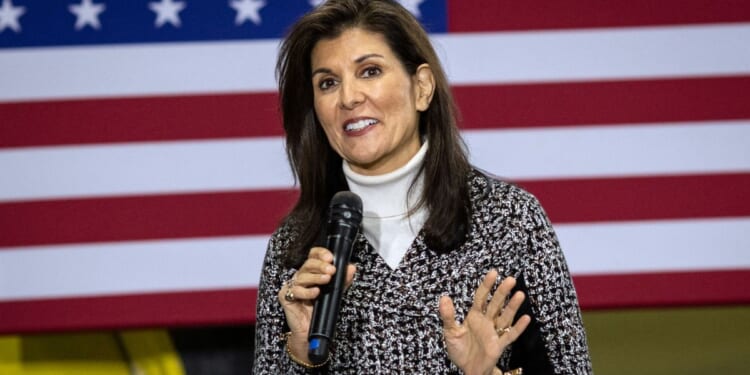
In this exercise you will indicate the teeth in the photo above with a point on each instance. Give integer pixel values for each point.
(359, 125)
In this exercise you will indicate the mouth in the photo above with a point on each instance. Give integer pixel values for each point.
(356, 125)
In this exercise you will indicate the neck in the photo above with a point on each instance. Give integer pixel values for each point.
(389, 194)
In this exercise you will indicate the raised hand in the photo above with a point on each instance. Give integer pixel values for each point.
(475, 345)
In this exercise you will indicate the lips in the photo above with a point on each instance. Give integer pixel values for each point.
(359, 124)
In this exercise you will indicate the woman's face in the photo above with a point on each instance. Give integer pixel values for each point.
(366, 102)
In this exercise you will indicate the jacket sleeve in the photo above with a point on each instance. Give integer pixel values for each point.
(270, 346)
(555, 341)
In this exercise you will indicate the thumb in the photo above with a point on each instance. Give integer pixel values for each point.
(447, 313)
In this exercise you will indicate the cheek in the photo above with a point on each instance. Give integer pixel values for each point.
(405, 100)
(327, 124)
(331, 135)
(402, 106)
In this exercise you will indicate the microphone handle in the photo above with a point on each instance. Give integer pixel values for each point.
(327, 305)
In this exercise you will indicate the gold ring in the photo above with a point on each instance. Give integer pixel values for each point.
(515, 371)
(289, 295)
(502, 331)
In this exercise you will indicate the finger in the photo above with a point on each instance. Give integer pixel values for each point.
(480, 296)
(514, 304)
(309, 273)
(447, 313)
(314, 272)
(298, 294)
(321, 253)
(498, 299)
(510, 310)
(517, 329)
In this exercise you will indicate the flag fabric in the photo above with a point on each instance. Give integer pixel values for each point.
(143, 166)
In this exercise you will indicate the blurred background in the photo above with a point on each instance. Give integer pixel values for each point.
(142, 170)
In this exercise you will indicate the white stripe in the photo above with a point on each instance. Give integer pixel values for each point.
(200, 264)
(649, 246)
(260, 163)
(133, 70)
(131, 267)
(592, 54)
(143, 168)
(641, 149)
(623, 53)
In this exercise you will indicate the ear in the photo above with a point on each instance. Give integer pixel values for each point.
(424, 87)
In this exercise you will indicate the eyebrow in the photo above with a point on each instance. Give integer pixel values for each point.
(365, 57)
(358, 60)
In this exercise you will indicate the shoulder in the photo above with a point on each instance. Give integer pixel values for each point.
(285, 234)
(281, 241)
(489, 191)
(504, 210)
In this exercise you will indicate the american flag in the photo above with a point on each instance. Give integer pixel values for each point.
(143, 168)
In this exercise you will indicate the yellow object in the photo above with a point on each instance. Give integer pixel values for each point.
(152, 353)
(148, 352)
(666, 341)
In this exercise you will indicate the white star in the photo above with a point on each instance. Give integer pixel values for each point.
(247, 10)
(315, 3)
(412, 6)
(87, 13)
(9, 16)
(167, 11)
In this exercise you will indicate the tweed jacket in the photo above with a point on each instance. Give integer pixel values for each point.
(389, 321)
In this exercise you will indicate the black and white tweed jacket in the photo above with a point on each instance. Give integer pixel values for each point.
(389, 321)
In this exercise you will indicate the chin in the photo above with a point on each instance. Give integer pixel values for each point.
(362, 163)
(361, 158)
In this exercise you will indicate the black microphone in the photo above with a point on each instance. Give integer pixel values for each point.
(345, 216)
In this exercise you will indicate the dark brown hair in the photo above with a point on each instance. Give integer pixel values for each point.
(317, 167)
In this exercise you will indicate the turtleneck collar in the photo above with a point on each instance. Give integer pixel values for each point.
(387, 193)
(386, 201)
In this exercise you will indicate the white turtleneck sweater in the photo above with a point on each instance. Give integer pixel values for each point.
(386, 222)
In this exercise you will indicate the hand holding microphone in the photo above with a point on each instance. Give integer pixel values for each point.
(345, 216)
(319, 278)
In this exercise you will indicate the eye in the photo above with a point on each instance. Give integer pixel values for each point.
(371, 71)
(326, 83)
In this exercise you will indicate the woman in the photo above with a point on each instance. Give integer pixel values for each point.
(366, 107)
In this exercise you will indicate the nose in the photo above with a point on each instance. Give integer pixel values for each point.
(350, 95)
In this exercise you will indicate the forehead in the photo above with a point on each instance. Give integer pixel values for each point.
(348, 46)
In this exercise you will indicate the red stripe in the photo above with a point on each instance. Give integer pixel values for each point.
(643, 198)
(482, 15)
(492, 106)
(238, 306)
(663, 289)
(129, 311)
(606, 102)
(258, 212)
(139, 119)
(143, 217)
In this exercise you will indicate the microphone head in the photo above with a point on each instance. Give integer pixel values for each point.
(347, 198)
(346, 206)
